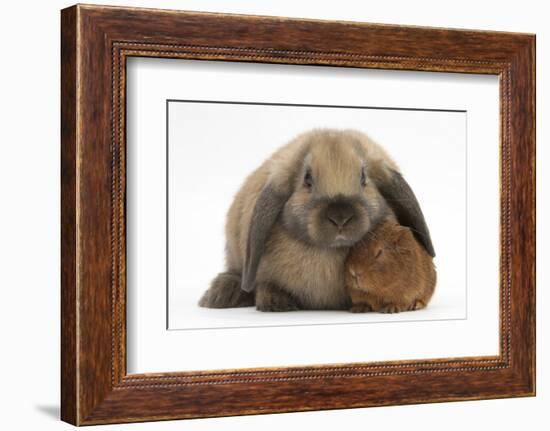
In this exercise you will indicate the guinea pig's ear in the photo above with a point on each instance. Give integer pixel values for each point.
(403, 202)
(402, 235)
(268, 207)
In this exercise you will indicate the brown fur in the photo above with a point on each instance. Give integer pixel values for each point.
(389, 271)
(312, 274)
(280, 169)
(281, 235)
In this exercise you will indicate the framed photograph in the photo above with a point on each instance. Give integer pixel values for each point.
(265, 214)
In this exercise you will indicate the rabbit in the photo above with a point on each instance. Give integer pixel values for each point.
(292, 223)
(389, 271)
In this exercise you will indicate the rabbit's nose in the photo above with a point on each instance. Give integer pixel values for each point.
(340, 214)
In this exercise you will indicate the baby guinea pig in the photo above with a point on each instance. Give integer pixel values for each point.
(389, 271)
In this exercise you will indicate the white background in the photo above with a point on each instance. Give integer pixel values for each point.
(429, 146)
(213, 147)
(29, 227)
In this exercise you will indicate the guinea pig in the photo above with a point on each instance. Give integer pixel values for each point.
(290, 226)
(389, 271)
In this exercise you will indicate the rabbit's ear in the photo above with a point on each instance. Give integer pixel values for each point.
(402, 201)
(266, 211)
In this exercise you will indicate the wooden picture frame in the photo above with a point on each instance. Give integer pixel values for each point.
(95, 43)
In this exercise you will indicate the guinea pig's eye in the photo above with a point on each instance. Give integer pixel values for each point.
(363, 178)
(308, 179)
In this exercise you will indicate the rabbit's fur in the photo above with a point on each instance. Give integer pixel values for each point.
(389, 271)
(292, 223)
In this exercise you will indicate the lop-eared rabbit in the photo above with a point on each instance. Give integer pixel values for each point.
(292, 223)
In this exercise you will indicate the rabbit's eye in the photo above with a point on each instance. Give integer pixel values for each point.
(363, 178)
(308, 180)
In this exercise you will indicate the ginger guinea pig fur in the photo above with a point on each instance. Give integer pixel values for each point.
(389, 271)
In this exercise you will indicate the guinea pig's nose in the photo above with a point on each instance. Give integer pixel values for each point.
(340, 213)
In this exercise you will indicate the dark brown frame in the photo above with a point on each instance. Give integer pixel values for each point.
(95, 43)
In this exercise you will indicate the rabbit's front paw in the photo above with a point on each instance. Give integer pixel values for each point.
(270, 297)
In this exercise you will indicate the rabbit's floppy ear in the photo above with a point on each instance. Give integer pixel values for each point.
(401, 199)
(268, 206)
